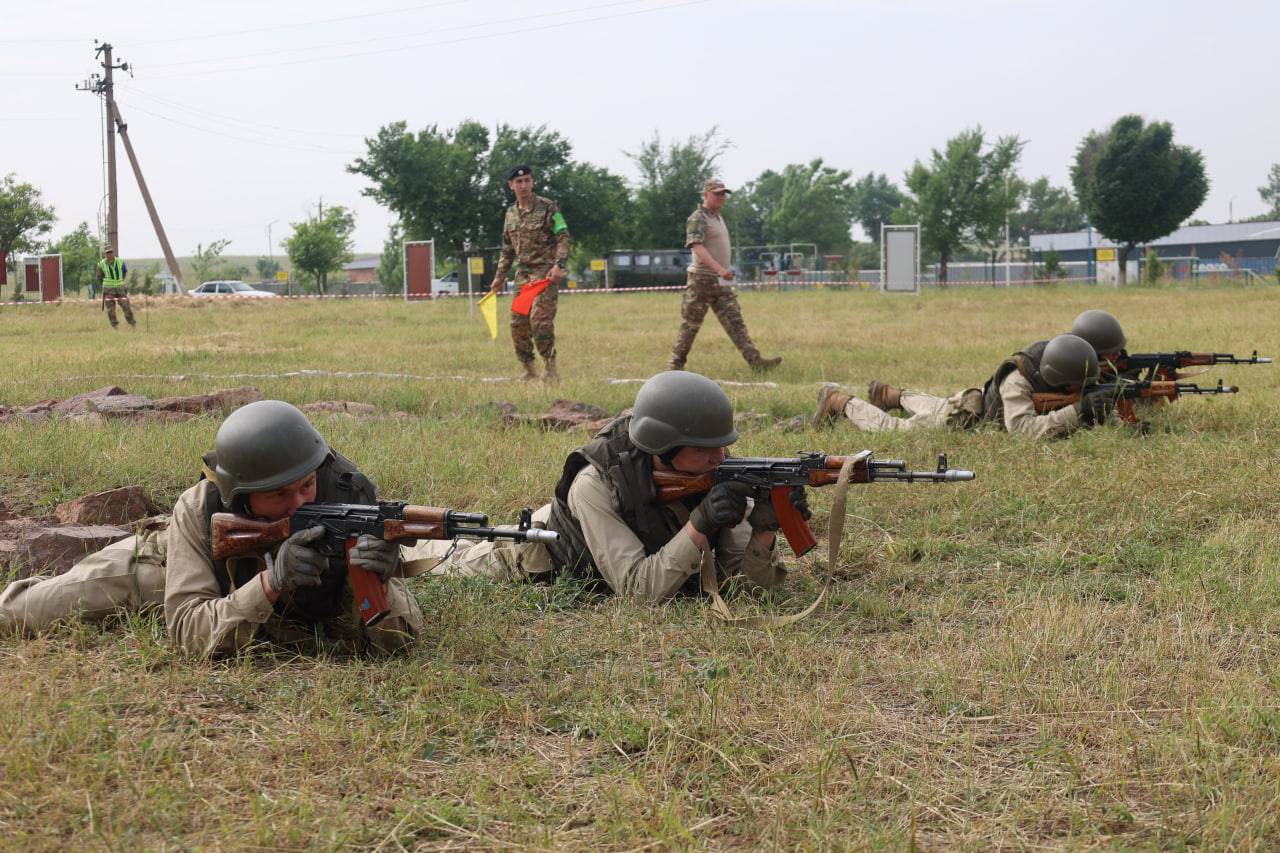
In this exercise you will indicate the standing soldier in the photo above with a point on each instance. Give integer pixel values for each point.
(536, 238)
(708, 237)
(111, 272)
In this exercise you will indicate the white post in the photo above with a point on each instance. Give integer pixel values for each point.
(471, 307)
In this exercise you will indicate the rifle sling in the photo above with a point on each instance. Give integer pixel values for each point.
(835, 533)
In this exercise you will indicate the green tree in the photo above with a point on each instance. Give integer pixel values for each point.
(24, 219)
(391, 264)
(1135, 184)
(267, 268)
(1270, 191)
(205, 259)
(875, 198)
(816, 206)
(671, 178)
(451, 186)
(321, 245)
(1046, 209)
(960, 196)
(1154, 266)
(81, 251)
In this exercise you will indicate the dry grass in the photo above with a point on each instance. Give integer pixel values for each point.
(1075, 651)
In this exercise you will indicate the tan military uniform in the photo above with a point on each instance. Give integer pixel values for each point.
(175, 569)
(534, 240)
(202, 621)
(958, 411)
(124, 576)
(704, 290)
(615, 549)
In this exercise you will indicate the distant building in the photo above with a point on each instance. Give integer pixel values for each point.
(363, 271)
(1256, 243)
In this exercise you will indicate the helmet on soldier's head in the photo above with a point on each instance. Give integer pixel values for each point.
(1100, 329)
(265, 445)
(1069, 360)
(681, 409)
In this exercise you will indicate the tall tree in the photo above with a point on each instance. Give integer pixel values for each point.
(321, 244)
(1135, 184)
(1046, 209)
(875, 198)
(80, 252)
(205, 259)
(671, 178)
(960, 196)
(1270, 191)
(24, 218)
(451, 185)
(391, 262)
(816, 206)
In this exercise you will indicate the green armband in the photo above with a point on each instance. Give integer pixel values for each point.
(558, 224)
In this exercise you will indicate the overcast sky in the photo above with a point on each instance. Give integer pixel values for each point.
(245, 113)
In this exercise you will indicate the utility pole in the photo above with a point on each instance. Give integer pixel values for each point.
(104, 86)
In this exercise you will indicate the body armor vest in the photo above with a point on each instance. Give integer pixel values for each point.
(1026, 362)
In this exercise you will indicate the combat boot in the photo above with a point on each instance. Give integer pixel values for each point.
(551, 376)
(831, 405)
(884, 396)
(764, 365)
(530, 371)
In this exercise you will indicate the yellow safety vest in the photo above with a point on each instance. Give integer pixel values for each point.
(112, 273)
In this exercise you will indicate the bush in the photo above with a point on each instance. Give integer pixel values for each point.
(1154, 267)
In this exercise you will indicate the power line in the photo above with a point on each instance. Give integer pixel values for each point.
(286, 144)
(433, 43)
(394, 37)
(297, 24)
(133, 90)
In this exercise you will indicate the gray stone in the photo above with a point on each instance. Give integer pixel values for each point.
(53, 550)
(82, 402)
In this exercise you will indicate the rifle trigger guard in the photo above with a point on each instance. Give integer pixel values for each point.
(526, 519)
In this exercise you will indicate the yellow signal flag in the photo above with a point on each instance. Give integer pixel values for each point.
(489, 311)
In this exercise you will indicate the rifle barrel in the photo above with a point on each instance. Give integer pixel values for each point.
(951, 475)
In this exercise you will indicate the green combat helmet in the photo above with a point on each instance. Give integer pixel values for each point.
(1100, 329)
(1069, 360)
(681, 409)
(263, 446)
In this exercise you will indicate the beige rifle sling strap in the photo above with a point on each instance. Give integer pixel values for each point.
(835, 534)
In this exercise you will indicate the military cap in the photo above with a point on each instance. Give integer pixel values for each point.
(715, 185)
(519, 172)
(107, 247)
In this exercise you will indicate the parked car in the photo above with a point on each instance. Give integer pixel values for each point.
(446, 284)
(229, 288)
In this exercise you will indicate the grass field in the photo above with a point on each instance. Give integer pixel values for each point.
(1076, 651)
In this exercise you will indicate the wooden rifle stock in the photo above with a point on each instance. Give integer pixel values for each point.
(1046, 402)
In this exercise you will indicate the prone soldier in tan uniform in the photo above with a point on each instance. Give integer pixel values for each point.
(536, 238)
(110, 274)
(708, 237)
(268, 461)
(1065, 364)
(612, 527)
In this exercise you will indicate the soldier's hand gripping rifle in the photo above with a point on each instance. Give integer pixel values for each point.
(773, 479)
(1164, 366)
(1129, 390)
(390, 521)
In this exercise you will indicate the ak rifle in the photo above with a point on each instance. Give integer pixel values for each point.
(391, 521)
(1164, 366)
(774, 478)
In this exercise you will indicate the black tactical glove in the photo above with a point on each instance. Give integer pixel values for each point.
(1096, 403)
(374, 555)
(724, 506)
(295, 565)
(764, 518)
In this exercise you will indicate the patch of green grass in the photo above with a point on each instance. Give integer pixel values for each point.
(1074, 651)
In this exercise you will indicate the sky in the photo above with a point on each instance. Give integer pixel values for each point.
(245, 113)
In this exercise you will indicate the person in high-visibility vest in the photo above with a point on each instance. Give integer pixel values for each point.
(111, 272)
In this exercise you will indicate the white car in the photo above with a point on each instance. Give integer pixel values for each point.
(229, 288)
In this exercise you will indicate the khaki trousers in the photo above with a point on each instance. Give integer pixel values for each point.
(924, 411)
(122, 577)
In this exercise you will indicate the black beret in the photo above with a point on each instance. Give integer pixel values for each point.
(519, 171)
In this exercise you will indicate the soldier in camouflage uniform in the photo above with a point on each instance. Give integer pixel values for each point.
(536, 238)
(708, 236)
